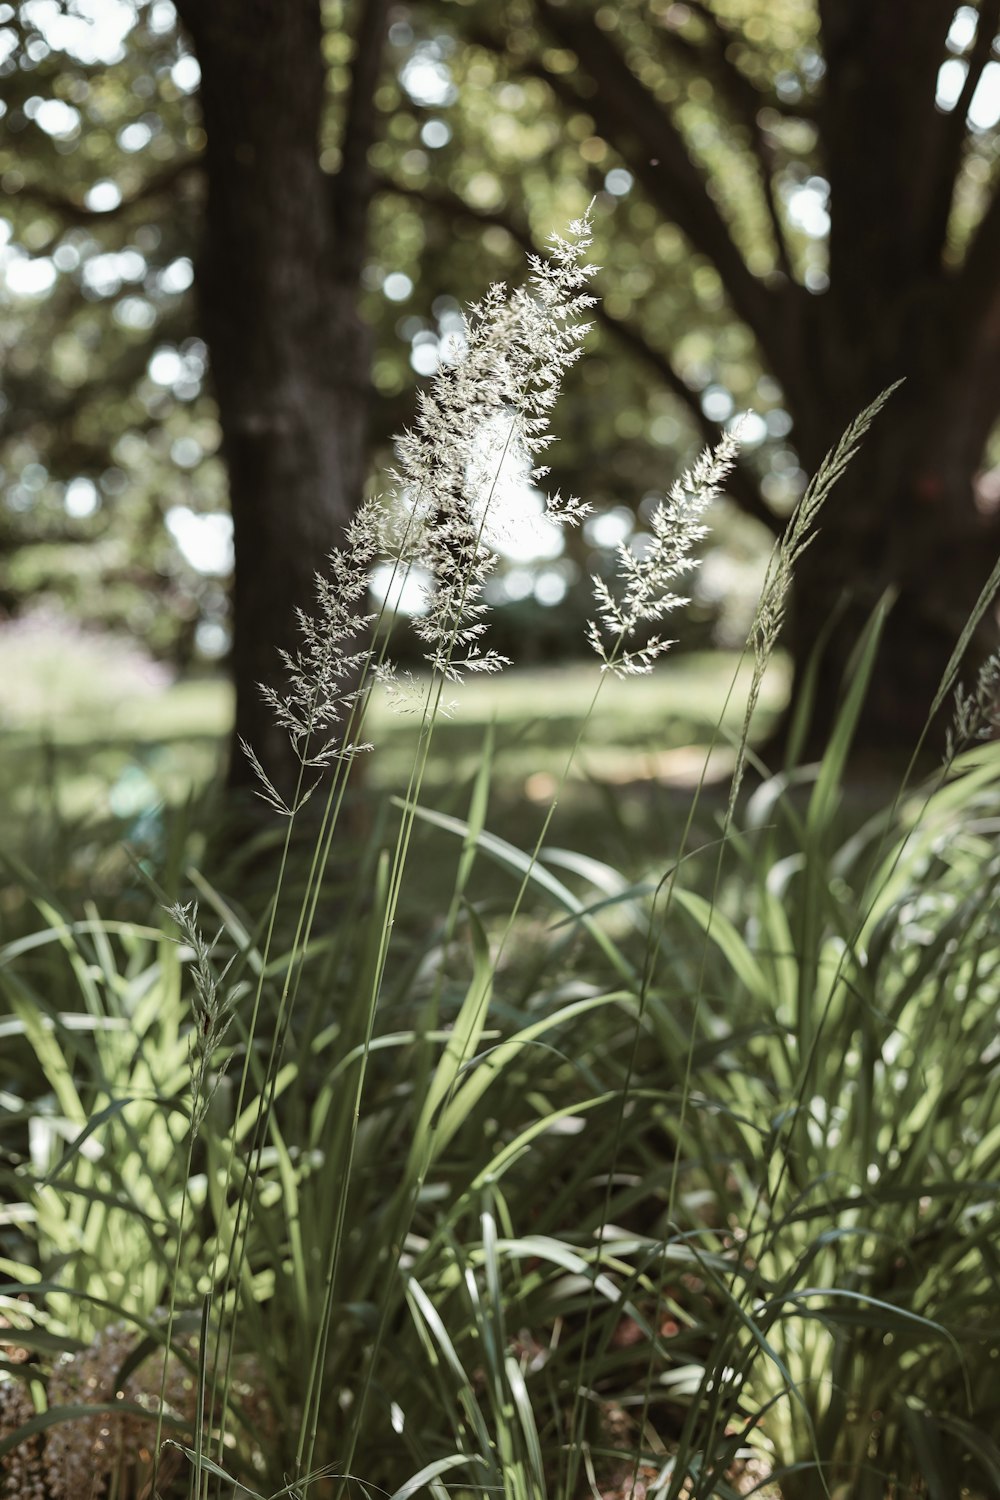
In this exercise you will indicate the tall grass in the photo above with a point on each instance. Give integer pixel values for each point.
(679, 1181)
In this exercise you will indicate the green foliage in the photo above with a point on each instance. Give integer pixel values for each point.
(100, 442)
(691, 1179)
(746, 1194)
(864, 1200)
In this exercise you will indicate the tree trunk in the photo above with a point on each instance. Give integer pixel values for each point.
(905, 517)
(903, 301)
(902, 520)
(290, 357)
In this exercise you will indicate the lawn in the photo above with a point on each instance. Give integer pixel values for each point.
(92, 734)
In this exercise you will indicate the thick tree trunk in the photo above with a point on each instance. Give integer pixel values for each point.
(905, 516)
(289, 353)
(899, 304)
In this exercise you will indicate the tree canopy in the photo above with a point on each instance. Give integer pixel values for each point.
(765, 242)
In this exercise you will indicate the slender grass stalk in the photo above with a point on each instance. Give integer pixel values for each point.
(432, 704)
(303, 930)
(764, 631)
(315, 700)
(213, 1014)
(812, 1039)
(525, 348)
(701, 485)
(648, 596)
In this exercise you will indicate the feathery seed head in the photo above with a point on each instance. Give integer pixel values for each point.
(322, 674)
(212, 1007)
(647, 579)
(977, 711)
(487, 408)
(481, 416)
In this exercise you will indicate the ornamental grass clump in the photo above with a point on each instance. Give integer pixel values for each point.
(488, 408)
(624, 1214)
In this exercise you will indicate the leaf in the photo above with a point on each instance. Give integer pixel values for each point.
(209, 1466)
(478, 806)
(716, 926)
(974, 1438)
(617, 890)
(982, 604)
(824, 797)
(433, 1470)
(522, 864)
(467, 1031)
(95, 1122)
(490, 1065)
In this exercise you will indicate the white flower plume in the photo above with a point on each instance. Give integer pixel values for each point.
(502, 375)
(647, 579)
(322, 675)
(483, 412)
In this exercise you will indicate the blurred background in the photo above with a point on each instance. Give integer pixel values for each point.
(234, 233)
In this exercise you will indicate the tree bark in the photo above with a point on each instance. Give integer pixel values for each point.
(905, 516)
(903, 520)
(278, 289)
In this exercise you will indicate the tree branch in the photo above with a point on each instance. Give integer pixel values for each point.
(74, 212)
(954, 131)
(644, 133)
(32, 398)
(741, 486)
(745, 100)
(354, 185)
